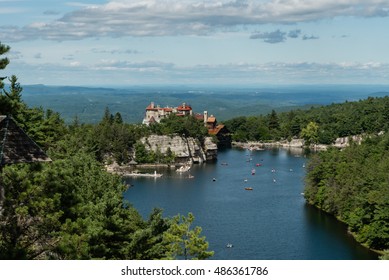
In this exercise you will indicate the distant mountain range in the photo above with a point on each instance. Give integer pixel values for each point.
(89, 103)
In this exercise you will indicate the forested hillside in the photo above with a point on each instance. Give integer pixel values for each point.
(72, 208)
(224, 102)
(353, 185)
(337, 120)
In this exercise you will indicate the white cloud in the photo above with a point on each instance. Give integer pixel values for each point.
(119, 18)
(149, 66)
(75, 64)
(156, 72)
(115, 51)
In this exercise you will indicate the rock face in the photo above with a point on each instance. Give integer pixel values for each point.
(343, 142)
(210, 149)
(186, 150)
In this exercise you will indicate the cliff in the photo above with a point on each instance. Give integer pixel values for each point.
(185, 149)
(340, 142)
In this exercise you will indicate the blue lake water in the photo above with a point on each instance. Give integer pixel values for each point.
(271, 221)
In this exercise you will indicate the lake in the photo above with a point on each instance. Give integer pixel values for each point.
(270, 222)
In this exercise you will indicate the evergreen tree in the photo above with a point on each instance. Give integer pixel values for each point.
(273, 121)
(352, 185)
(29, 217)
(3, 61)
(72, 208)
(118, 118)
(10, 101)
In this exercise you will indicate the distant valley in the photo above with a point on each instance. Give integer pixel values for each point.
(88, 103)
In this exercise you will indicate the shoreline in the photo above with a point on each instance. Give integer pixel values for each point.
(137, 174)
(354, 235)
(294, 144)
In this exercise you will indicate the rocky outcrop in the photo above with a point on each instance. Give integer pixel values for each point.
(185, 149)
(294, 143)
(210, 149)
(343, 142)
(340, 143)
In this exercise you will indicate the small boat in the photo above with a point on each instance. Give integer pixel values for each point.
(224, 163)
(229, 245)
(258, 164)
(253, 171)
(214, 179)
(245, 180)
(248, 189)
(190, 176)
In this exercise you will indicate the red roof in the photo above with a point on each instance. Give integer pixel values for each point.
(216, 130)
(199, 116)
(151, 108)
(211, 119)
(182, 108)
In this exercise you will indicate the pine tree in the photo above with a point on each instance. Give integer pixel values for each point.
(3, 61)
(273, 121)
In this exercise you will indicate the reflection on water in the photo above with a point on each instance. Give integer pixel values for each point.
(271, 221)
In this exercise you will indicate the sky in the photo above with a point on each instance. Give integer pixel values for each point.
(191, 42)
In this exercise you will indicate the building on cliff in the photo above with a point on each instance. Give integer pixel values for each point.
(215, 129)
(156, 113)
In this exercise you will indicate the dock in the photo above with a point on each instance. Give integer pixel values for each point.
(137, 174)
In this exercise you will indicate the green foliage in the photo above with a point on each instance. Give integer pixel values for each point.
(3, 61)
(10, 101)
(187, 126)
(310, 133)
(147, 156)
(186, 242)
(353, 185)
(111, 139)
(385, 255)
(143, 155)
(336, 120)
(72, 208)
(29, 216)
(273, 122)
(249, 128)
(46, 128)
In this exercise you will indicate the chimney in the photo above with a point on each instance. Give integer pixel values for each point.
(205, 117)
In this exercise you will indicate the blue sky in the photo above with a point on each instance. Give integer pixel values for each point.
(225, 42)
